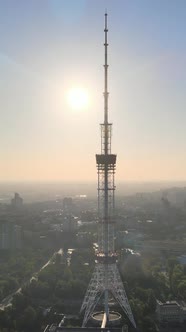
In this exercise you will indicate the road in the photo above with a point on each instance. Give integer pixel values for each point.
(8, 299)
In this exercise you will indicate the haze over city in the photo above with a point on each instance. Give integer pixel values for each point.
(92, 169)
(50, 47)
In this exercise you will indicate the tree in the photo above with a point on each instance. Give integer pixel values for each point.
(26, 321)
(29, 315)
(19, 302)
(57, 259)
(171, 263)
(177, 277)
(4, 319)
(182, 289)
(148, 324)
(151, 301)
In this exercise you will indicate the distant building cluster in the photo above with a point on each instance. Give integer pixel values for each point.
(128, 237)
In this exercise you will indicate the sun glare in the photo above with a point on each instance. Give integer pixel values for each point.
(78, 98)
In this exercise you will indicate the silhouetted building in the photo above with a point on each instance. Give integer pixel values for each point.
(67, 204)
(10, 236)
(17, 201)
(70, 224)
(18, 236)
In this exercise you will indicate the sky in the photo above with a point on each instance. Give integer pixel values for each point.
(50, 46)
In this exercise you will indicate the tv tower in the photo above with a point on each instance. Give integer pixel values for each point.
(106, 278)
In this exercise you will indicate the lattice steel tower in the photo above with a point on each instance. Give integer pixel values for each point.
(106, 278)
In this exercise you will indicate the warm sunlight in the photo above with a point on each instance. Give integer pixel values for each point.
(78, 98)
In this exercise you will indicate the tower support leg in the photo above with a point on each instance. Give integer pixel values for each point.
(96, 289)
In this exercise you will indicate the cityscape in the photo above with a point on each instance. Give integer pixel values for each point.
(90, 239)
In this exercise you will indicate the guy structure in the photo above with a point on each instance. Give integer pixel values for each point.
(106, 278)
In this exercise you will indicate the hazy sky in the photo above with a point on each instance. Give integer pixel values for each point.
(49, 46)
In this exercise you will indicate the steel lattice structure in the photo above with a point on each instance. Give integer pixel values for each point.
(106, 278)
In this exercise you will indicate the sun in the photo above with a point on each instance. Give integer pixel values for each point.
(78, 98)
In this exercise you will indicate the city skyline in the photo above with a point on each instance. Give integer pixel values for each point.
(49, 47)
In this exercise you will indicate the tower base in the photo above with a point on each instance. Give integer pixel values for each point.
(114, 318)
(105, 277)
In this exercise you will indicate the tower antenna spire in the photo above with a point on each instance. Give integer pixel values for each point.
(106, 72)
(106, 279)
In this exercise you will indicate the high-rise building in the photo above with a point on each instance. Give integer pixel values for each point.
(10, 236)
(67, 204)
(17, 201)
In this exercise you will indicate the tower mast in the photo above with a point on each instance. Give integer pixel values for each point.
(106, 278)
(106, 76)
(106, 187)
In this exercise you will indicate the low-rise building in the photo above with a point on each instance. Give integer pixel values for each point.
(171, 311)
